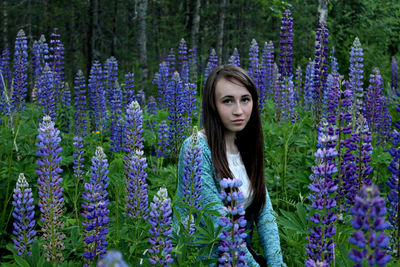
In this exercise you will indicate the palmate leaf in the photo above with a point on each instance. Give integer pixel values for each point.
(295, 221)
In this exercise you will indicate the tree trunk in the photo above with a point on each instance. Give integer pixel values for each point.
(323, 10)
(5, 25)
(195, 24)
(221, 30)
(142, 9)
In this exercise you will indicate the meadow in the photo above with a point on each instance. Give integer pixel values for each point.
(88, 167)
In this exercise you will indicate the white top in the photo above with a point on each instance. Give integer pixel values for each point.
(238, 170)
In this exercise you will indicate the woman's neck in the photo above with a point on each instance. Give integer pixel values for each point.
(230, 145)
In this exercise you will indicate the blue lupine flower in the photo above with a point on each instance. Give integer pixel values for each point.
(116, 125)
(111, 72)
(269, 60)
(177, 117)
(334, 63)
(369, 221)
(56, 63)
(162, 137)
(160, 230)
(97, 97)
(129, 91)
(46, 95)
(24, 212)
(134, 128)
(51, 201)
(183, 64)
(40, 52)
(112, 259)
(191, 186)
(20, 72)
(137, 203)
(78, 157)
(193, 63)
(141, 98)
(395, 75)
(5, 68)
(95, 208)
(162, 81)
(235, 58)
(211, 63)
(320, 70)
(80, 119)
(309, 86)
(151, 106)
(285, 44)
(298, 84)
(356, 76)
(233, 224)
(171, 61)
(253, 60)
(376, 111)
(321, 246)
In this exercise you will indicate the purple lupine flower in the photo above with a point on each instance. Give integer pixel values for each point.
(51, 201)
(309, 86)
(321, 246)
(264, 82)
(56, 62)
(369, 222)
(111, 72)
(116, 131)
(334, 63)
(151, 106)
(190, 93)
(162, 81)
(80, 119)
(78, 157)
(97, 97)
(233, 225)
(253, 60)
(112, 259)
(40, 53)
(129, 91)
(136, 186)
(171, 61)
(183, 64)
(235, 58)
(95, 208)
(285, 44)
(394, 194)
(191, 187)
(46, 95)
(162, 137)
(298, 84)
(321, 66)
(5, 69)
(160, 230)
(288, 99)
(193, 63)
(278, 96)
(212, 63)
(376, 111)
(268, 58)
(63, 114)
(356, 76)
(134, 128)
(176, 107)
(19, 89)
(141, 98)
(24, 212)
(395, 75)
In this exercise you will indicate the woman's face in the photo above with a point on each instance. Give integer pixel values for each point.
(234, 104)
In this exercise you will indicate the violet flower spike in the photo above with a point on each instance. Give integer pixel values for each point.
(369, 222)
(95, 208)
(20, 74)
(50, 191)
(233, 222)
(160, 230)
(24, 212)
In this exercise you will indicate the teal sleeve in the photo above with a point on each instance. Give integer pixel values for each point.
(269, 236)
(210, 189)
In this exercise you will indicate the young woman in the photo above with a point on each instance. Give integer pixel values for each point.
(233, 147)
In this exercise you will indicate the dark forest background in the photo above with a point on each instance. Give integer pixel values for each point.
(139, 33)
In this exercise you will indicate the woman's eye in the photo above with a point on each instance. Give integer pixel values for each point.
(227, 101)
(246, 100)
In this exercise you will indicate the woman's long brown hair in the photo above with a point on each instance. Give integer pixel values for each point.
(249, 141)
